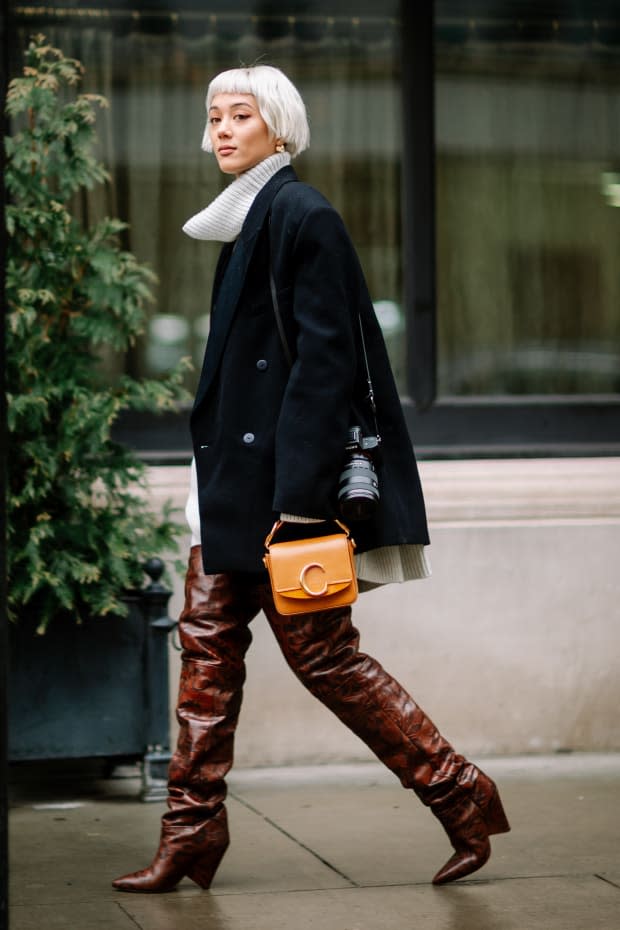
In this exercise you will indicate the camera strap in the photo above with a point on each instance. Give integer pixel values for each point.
(286, 349)
(371, 390)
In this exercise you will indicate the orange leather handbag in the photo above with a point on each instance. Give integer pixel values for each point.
(307, 575)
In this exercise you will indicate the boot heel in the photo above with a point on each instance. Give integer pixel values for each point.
(203, 869)
(494, 816)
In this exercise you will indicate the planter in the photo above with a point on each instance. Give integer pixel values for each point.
(99, 689)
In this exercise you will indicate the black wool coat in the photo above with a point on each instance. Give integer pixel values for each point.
(268, 438)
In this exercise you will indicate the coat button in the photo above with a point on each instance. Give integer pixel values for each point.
(248, 438)
(262, 364)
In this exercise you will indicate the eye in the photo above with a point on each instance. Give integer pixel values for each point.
(213, 120)
(241, 116)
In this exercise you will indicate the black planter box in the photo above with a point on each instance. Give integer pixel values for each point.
(99, 689)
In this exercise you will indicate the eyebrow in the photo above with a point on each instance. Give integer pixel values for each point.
(233, 106)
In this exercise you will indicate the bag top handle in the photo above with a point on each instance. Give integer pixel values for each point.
(280, 523)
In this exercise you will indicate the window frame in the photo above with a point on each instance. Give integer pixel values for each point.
(468, 427)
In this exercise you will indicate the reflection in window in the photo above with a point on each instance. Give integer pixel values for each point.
(528, 132)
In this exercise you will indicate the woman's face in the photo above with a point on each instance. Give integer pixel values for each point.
(239, 135)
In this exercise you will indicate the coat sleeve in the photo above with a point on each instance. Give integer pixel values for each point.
(314, 416)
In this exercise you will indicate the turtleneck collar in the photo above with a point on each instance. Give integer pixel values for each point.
(223, 218)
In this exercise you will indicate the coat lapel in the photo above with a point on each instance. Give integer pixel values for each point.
(229, 291)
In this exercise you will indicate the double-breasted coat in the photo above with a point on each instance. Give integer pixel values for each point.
(268, 438)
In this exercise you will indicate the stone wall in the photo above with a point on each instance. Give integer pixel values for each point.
(513, 646)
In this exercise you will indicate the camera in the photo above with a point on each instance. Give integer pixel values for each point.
(358, 485)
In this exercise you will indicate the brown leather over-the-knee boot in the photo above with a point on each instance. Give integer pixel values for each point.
(323, 651)
(213, 629)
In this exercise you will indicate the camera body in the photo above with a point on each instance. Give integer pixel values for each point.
(358, 485)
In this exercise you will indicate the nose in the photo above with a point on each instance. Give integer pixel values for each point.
(223, 129)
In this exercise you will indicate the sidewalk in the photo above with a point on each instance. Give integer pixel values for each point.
(334, 847)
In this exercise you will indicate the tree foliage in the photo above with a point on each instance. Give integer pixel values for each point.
(79, 523)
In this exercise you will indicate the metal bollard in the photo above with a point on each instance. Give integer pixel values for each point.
(157, 722)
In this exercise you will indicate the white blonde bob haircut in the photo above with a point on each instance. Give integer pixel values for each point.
(279, 103)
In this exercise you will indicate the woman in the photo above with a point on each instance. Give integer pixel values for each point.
(269, 441)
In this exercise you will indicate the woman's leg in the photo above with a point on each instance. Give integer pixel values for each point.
(323, 650)
(213, 629)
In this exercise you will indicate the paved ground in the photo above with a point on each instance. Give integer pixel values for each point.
(335, 848)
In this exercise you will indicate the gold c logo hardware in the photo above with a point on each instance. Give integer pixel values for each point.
(304, 583)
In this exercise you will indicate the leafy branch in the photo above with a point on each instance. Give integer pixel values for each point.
(80, 526)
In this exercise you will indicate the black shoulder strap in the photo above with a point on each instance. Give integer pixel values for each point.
(276, 307)
(286, 349)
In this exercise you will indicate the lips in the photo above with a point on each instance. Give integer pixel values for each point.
(225, 150)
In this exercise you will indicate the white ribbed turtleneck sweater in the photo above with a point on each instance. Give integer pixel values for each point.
(223, 218)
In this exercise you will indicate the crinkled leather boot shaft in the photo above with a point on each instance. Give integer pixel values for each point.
(323, 651)
(213, 630)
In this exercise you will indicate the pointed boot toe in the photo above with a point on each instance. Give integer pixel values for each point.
(461, 864)
(146, 881)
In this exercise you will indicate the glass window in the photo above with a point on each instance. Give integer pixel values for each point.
(528, 203)
(496, 150)
(155, 68)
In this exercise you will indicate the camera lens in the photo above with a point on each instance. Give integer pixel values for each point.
(358, 491)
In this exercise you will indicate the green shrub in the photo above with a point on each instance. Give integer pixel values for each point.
(79, 524)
